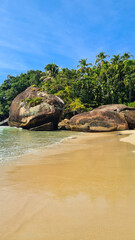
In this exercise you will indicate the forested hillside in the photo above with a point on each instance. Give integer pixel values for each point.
(109, 80)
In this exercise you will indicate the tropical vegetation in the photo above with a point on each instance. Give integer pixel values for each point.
(109, 80)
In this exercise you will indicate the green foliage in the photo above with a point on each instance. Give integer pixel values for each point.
(52, 69)
(132, 104)
(77, 106)
(32, 102)
(12, 86)
(109, 80)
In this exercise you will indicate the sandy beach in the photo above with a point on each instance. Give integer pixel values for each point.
(80, 189)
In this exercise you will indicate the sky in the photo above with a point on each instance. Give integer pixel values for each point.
(34, 33)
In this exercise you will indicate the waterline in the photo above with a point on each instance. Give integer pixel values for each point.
(15, 142)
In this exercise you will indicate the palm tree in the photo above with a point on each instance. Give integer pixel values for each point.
(83, 65)
(126, 56)
(52, 69)
(129, 80)
(117, 68)
(115, 61)
(100, 58)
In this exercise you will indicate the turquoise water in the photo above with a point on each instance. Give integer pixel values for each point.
(16, 142)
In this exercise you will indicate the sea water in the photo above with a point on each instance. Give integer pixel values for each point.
(15, 142)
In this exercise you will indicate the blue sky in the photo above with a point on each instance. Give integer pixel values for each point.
(34, 33)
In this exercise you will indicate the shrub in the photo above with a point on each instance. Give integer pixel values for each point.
(132, 104)
(32, 102)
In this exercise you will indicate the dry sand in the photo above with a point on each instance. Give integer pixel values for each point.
(130, 138)
(82, 189)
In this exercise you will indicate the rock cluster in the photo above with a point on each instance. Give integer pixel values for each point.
(37, 110)
(106, 118)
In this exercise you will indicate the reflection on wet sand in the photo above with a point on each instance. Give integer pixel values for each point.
(87, 193)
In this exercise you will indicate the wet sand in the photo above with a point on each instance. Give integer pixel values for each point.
(82, 189)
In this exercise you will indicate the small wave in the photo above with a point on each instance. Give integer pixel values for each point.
(2, 128)
(16, 142)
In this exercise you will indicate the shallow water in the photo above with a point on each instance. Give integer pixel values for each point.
(15, 142)
(82, 194)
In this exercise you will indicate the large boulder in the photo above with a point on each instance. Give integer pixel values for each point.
(35, 110)
(98, 121)
(111, 117)
(128, 112)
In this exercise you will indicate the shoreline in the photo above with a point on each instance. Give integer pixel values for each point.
(38, 156)
(40, 142)
(57, 147)
(66, 145)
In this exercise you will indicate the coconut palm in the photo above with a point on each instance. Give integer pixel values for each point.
(52, 69)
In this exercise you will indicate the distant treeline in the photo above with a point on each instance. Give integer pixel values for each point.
(109, 80)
